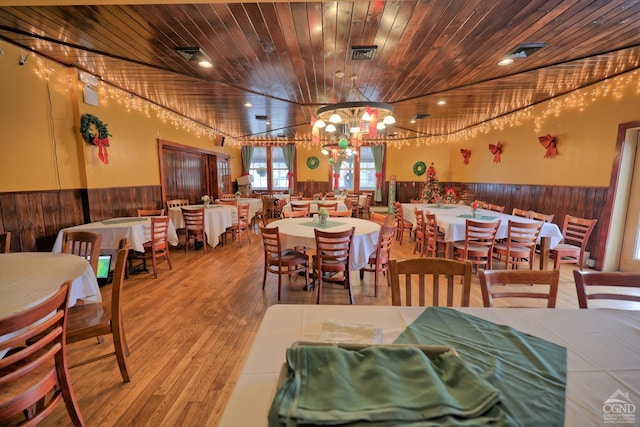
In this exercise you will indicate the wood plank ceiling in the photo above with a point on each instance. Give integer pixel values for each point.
(288, 59)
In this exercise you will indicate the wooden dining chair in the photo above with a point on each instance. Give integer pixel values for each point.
(301, 207)
(331, 261)
(495, 208)
(176, 203)
(279, 261)
(295, 214)
(330, 206)
(364, 211)
(156, 248)
(378, 262)
(420, 273)
(83, 243)
(575, 233)
(419, 232)
(5, 242)
(88, 321)
(150, 212)
(194, 228)
(434, 238)
(279, 206)
(241, 224)
(520, 245)
(477, 246)
(355, 204)
(521, 213)
(402, 225)
(380, 219)
(517, 285)
(34, 376)
(343, 214)
(228, 202)
(541, 217)
(607, 286)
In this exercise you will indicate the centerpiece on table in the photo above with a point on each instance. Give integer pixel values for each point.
(323, 215)
(474, 209)
(238, 195)
(207, 200)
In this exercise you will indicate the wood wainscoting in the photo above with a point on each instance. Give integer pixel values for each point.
(34, 218)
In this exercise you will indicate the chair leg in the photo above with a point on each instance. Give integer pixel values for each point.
(67, 392)
(119, 344)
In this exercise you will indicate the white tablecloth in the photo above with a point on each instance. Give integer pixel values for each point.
(137, 230)
(27, 278)
(453, 226)
(255, 205)
(603, 352)
(314, 205)
(293, 233)
(216, 220)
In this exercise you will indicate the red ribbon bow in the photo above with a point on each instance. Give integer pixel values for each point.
(378, 180)
(496, 150)
(290, 178)
(102, 144)
(336, 180)
(465, 155)
(549, 142)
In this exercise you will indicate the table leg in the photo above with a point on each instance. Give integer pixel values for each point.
(544, 252)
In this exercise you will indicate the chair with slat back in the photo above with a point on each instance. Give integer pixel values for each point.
(194, 228)
(422, 272)
(334, 214)
(477, 246)
(5, 242)
(279, 206)
(517, 285)
(301, 207)
(521, 213)
(157, 247)
(380, 219)
(541, 217)
(365, 209)
(520, 245)
(331, 261)
(228, 202)
(176, 203)
(575, 233)
(330, 206)
(434, 238)
(242, 223)
(279, 261)
(34, 376)
(402, 225)
(89, 321)
(495, 208)
(378, 262)
(419, 232)
(295, 214)
(607, 286)
(355, 204)
(150, 212)
(83, 243)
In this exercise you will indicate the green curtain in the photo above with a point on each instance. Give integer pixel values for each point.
(247, 155)
(378, 159)
(289, 152)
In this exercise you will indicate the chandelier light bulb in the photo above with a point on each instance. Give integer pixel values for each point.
(354, 129)
(319, 124)
(366, 117)
(330, 128)
(380, 126)
(389, 120)
(335, 118)
(325, 151)
(349, 152)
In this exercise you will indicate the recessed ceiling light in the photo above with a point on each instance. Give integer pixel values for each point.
(412, 121)
(248, 104)
(442, 102)
(505, 61)
(196, 54)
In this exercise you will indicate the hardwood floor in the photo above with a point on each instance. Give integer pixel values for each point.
(189, 332)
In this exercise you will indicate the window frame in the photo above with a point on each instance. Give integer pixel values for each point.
(356, 173)
(270, 169)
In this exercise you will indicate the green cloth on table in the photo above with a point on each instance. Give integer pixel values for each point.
(329, 224)
(485, 217)
(122, 220)
(443, 206)
(381, 386)
(529, 372)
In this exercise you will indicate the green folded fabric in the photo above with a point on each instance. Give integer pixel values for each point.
(529, 372)
(381, 386)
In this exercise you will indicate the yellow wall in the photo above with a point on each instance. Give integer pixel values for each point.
(31, 155)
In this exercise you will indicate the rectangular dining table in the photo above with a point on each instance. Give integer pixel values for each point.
(137, 230)
(602, 347)
(217, 218)
(452, 222)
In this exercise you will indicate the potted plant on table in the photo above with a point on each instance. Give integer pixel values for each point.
(323, 214)
(238, 194)
(207, 200)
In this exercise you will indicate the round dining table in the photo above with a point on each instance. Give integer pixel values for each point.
(296, 232)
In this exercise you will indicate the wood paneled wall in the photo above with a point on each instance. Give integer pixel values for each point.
(34, 218)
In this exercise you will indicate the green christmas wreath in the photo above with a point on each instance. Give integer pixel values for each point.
(313, 162)
(419, 168)
(92, 128)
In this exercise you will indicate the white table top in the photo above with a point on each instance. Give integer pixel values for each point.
(255, 205)
(137, 230)
(216, 220)
(603, 351)
(453, 226)
(28, 278)
(293, 233)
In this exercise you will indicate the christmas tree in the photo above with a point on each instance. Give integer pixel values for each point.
(432, 190)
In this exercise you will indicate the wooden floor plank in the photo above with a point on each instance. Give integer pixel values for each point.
(190, 330)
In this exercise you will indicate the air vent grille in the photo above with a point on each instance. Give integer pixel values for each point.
(525, 50)
(261, 117)
(363, 53)
(420, 116)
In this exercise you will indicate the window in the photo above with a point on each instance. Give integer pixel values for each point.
(358, 173)
(367, 169)
(269, 169)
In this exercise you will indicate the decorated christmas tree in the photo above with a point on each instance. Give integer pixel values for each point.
(432, 190)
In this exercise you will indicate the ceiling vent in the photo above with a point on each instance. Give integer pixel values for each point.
(525, 50)
(420, 116)
(262, 117)
(363, 53)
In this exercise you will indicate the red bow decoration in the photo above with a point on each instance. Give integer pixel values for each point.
(549, 142)
(290, 178)
(379, 180)
(336, 180)
(496, 150)
(102, 144)
(465, 155)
